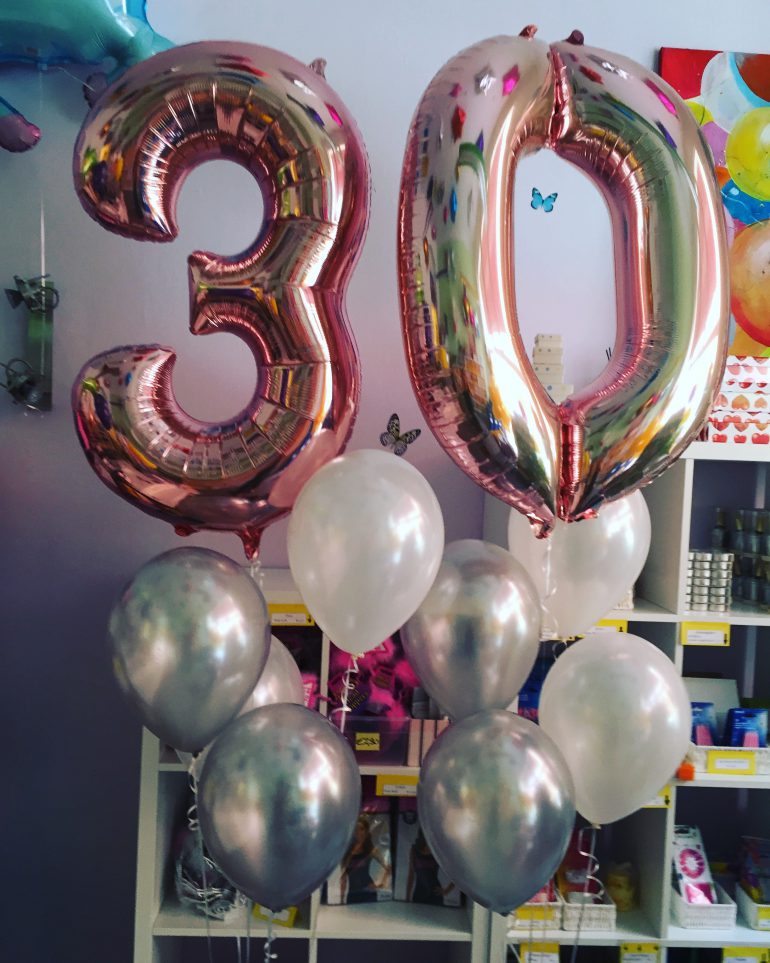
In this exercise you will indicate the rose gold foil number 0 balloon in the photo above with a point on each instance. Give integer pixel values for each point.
(637, 141)
(284, 296)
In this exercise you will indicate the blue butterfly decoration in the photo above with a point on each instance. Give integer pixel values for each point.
(545, 202)
(393, 438)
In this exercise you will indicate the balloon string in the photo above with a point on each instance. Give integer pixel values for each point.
(249, 911)
(255, 571)
(194, 824)
(550, 625)
(269, 955)
(347, 688)
(592, 868)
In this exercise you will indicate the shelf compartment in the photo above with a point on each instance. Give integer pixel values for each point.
(705, 780)
(739, 935)
(173, 919)
(632, 927)
(710, 451)
(393, 920)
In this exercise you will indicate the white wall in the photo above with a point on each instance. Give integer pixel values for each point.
(68, 544)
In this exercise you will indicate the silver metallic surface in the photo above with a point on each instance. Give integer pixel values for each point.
(474, 639)
(278, 800)
(189, 637)
(495, 804)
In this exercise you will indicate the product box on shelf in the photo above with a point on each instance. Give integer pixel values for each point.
(365, 874)
(706, 916)
(756, 915)
(544, 910)
(418, 877)
(589, 916)
(379, 700)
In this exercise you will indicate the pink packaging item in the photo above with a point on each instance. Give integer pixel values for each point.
(691, 869)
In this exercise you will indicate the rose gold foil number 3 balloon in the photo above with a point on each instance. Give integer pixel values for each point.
(284, 296)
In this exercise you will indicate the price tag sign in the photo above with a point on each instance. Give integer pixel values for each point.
(289, 613)
(745, 954)
(539, 952)
(639, 953)
(611, 625)
(661, 801)
(388, 785)
(731, 762)
(705, 633)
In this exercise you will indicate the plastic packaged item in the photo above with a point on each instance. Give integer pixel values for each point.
(704, 724)
(365, 874)
(418, 878)
(622, 885)
(754, 868)
(747, 728)
(529, 695)
(692, 875)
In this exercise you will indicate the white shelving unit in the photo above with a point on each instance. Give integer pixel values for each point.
(682, 508)
(682, 503)
(167, 932)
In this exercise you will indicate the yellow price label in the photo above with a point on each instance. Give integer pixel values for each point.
(542, 912)
(611, 625)
(539, 952)
(731, 762)
(745, 954)
(661, 801)
(396, 785)
(639, 953)
(284, 917)
(289, 613)
(367, 742)
(705, 633)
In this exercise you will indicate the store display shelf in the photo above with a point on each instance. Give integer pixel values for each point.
(644, 611)
(173, 919)
(706, 780)
(741, 613)
(738, 935)
(709, 451)
(633, 927)
(393, 921)
(394, 771)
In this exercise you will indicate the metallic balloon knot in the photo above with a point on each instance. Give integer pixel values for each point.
(319, 66)
(576, 37)
(529, 31)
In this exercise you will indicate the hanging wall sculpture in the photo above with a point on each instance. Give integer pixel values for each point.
(638, 142)
(284, 296)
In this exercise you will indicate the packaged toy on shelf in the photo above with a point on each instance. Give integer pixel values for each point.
(365, 874)
(418, 877)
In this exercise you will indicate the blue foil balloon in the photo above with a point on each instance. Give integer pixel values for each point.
(50, 33)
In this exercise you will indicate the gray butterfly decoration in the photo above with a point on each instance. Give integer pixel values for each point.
(392, 438)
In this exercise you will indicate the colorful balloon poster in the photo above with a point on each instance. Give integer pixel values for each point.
(729, 95)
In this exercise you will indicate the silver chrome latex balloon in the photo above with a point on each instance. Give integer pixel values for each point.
(475, 637)
(280, 681)
(495, 803)
(190, 638)
(278, 800)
